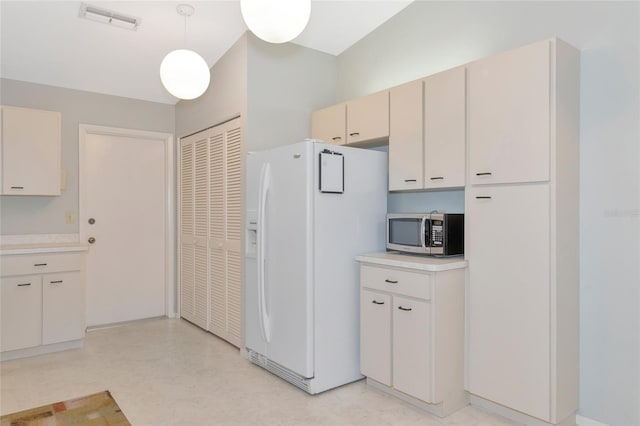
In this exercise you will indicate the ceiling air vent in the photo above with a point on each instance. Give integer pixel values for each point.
(109, 17)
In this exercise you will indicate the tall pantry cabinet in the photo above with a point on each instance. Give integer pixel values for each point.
(210, 226)
(522, 230)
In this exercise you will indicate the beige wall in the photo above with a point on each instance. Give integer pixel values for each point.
(225, 98)
(44, 215)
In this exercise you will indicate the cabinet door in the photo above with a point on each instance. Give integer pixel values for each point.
(330, 124)
(30, 152)
(63, 307)
(412, 349)
(444, 127)
(21, 314)
(368, 118)
(405, 137)
(509, 116)
(187, 229)
(375, 336)
(509, 299)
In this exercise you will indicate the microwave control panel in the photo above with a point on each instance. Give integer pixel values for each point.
(436, 233)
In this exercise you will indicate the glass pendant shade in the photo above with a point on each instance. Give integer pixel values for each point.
(276, 21)
(184, 74)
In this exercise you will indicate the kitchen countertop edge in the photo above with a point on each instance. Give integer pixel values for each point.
(420, 263)
(14, 249)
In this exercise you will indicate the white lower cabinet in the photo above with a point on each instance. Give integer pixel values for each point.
(63, 313)
(43, 303)
(375, 335)
(412, 350)
(21, 312)
(412, 329)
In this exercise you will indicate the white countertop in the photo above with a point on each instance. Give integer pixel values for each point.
(40, 243)
(33, 248)
(417, 262)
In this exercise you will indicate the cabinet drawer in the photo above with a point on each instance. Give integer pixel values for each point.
(40, 263)
(407, 283)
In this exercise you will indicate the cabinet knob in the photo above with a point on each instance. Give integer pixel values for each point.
(410, 180)
(437, 178)
(354, 134)
(375, 302)
(336, 138)
(402, 308)
(17, 187)
(391, 281)
(56, 282)
(39, 264)
(24, 284)
(483, 174)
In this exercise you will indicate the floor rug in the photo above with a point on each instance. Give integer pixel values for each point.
(99, 409)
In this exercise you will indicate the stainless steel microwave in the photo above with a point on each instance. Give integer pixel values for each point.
(440, 234)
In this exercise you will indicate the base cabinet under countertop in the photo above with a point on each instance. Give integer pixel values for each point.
(412, 332)
(43, 303)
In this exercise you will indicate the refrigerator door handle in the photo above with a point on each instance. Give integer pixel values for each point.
(265, 180)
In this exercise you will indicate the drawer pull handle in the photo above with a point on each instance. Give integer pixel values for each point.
(377, 303)
(483, 197)
(17, 187)
(56, 282)
(391, 281)
(24, 284)
(483, 174)
(410, 180)
(437, 178)
(40, 264)
(354, 134)
(336, 138)
(402, 308)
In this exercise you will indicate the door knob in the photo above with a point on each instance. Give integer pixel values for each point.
(92, 221)
(91, 240)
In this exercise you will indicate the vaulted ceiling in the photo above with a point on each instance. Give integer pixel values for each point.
(47, 42)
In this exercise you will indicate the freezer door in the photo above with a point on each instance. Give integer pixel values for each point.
(284, 248)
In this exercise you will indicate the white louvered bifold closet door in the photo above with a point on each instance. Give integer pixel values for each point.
(193, 230)
(211, 221)
(187, 246)
(225, 149)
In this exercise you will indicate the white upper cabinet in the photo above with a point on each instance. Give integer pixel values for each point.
(31, 141)
(405, 137)
(509, 116)
(368, 118)
(444, 127)
(330, 124)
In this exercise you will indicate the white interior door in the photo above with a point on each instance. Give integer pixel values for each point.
(123, 189)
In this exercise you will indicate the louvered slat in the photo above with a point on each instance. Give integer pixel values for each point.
(186, 189)
(187, 283)
(216, 186)
(201, 284)
(201, 213)
(234, 299)
(233, 185)
(218, 291)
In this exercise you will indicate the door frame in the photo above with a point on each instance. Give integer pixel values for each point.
(170, 309)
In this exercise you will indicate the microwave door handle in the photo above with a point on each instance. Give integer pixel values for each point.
(423, 232)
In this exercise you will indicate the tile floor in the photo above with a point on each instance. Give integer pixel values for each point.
(169, 372)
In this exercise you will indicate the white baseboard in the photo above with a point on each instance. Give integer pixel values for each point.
(586, 421)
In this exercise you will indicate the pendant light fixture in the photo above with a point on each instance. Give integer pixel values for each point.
(183, 72)
(276, 21)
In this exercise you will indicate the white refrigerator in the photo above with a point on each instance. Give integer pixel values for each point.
(311, 207)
